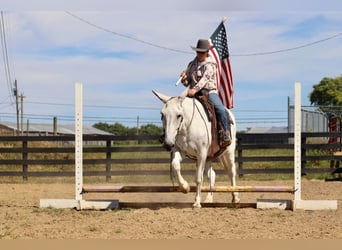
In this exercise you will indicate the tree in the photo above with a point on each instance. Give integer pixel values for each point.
(327, 94)
(116, 128)
(102, 126)
(150, 129)
(119, 129)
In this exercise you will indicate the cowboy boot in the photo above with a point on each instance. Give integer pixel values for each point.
(227, 139)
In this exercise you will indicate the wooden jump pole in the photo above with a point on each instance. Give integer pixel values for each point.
(168, 189)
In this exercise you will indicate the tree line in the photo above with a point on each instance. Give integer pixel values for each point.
(121, 130)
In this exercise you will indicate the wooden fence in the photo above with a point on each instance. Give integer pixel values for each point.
(52, 156)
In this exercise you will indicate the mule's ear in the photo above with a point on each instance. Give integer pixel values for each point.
(162, 97)
(184, 93)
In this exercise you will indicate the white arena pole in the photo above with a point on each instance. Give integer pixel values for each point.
(297, 143)
(83, 204)
(298, 203)
(73, 203)
(78, 141)
(78, 202)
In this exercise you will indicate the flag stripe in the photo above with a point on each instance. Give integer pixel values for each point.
(226, 76)
(224, 79)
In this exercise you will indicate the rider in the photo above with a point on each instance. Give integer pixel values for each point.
(200, 75)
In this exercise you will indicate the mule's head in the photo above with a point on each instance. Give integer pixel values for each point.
(172, 117)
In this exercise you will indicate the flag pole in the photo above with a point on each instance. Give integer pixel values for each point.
(179, 80)
(224, 19)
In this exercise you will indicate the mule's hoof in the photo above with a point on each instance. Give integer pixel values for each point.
(196, 205)
(209, 199)
(185, 188)
(236, 200)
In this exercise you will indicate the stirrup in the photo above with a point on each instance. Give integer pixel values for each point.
(225, 142)
(224, 139)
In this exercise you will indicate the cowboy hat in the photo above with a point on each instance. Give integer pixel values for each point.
(202, 46)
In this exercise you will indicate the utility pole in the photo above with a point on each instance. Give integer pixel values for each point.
(55, 127)
(22, 113)
(138, 125)
(15, 92)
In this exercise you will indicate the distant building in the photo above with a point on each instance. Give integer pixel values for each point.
(313, 120)
(265, 130)
(41, 129)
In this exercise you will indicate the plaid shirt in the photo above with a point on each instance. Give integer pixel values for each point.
(202, 75)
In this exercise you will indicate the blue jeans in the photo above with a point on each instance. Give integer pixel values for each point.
(219, 109)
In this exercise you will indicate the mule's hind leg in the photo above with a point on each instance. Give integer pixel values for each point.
(228, 161)
(211, 180)
(232, 175)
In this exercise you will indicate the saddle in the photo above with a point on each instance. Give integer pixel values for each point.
(217, 130)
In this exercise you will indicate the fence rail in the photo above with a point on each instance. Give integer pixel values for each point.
(255, 154)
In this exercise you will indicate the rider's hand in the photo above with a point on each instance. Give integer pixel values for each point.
(184, 76)
(191, 92)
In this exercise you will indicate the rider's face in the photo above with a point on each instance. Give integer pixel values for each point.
(201, 56)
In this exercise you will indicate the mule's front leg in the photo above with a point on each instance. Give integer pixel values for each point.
(199, 181)
(211, 179)
(176, 167)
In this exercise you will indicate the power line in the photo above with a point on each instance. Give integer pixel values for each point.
(187, 52)
(95, 106)
(125, 36)
(5, 57)
(290, 49)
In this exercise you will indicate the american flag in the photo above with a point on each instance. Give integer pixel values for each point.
(219, 51)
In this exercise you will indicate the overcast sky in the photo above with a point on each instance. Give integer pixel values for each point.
(122, 52)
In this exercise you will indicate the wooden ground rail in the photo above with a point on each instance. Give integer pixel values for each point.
(164, 189)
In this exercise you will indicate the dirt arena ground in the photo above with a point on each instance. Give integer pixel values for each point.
(21, 217)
